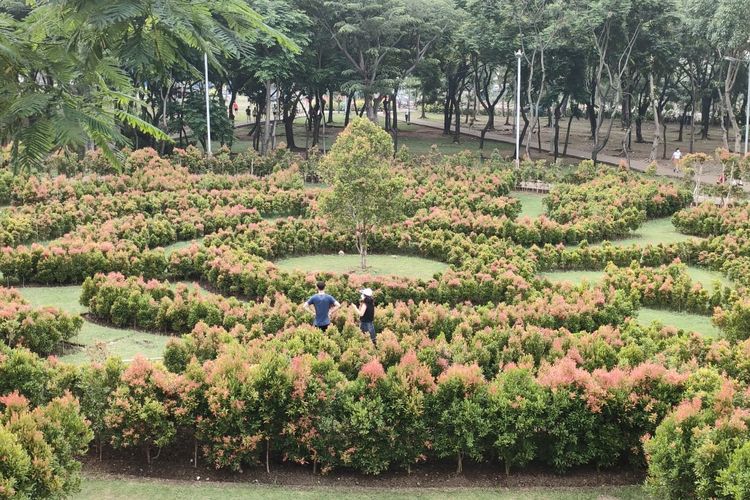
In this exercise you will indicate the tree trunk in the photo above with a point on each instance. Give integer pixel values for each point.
(447, 113)
(693, 99)
(556, 125)
(394, 122)
(697, 188)
(728, 107)
(232, 100)
(591, 108)
(362, 246)
(682, 122)
(460, 467)
(387, 114)
(267, 126)
(539, 134)
(724, 133)
(657, 128)
(348, 108)
(706, 101)
(567, 135)
(626, 144)
(468, 107)
(268, 455)
(316, 115)
(273, 128)
(256, 137)
(457, 131)
(330, 106)
(490, 118)
(370, 108)
(523, 130)
(625, 117)
(288, 119)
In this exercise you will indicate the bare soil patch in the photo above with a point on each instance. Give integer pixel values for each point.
(174, 466)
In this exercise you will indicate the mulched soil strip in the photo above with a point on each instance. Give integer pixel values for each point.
(434, 475)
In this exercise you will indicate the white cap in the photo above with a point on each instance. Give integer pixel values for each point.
(367, 292)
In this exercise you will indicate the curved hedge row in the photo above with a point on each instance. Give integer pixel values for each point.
(485, 361)
(41, 330)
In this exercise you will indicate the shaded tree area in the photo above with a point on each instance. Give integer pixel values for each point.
(85, 74)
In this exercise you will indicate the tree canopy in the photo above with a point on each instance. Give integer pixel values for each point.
(364, 193)
(79, 74)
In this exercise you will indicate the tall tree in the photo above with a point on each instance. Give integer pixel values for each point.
(613, 28)
(364, 192)
(539, 22)
(491, 35)
(730, 33)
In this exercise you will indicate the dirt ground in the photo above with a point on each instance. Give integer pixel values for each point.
(580, 134)
(178, 466)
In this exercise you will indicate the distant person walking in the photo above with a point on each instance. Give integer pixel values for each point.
(366, 311)
(322, 305)
(676, 157)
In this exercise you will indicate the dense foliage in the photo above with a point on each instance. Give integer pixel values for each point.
(486, 361)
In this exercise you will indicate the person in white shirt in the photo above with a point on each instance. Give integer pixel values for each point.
(676, 157)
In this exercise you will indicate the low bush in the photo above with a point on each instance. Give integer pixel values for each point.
(39, 447)
(40, 330)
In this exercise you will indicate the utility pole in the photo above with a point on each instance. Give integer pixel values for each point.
(519, 54)
(208, 109)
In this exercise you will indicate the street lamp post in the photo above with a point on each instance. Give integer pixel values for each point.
(747, 96)
(519, 54)
(208, 109)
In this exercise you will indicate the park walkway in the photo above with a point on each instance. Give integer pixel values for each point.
(710, 176)
(510, 139)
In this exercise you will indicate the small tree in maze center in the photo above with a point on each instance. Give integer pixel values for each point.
(364, 193)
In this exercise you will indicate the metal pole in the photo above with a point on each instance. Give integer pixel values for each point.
(208, 110)
(747, 107)
(518, 109)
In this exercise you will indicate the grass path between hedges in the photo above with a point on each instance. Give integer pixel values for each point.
(646, 315)
(126, 488)
(654, 231)
(705, 277)
(378, 265)
(682, 320)
(531, 203)
(122, 342)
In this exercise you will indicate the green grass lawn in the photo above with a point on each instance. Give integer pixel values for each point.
(378, 265)
(170, 249)
(682, 320)
(574, 277)
(531, 203)
(127, 488)
(122, 342)
(654, 232)
(703, 276)
(62, 297)
(707, 277)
